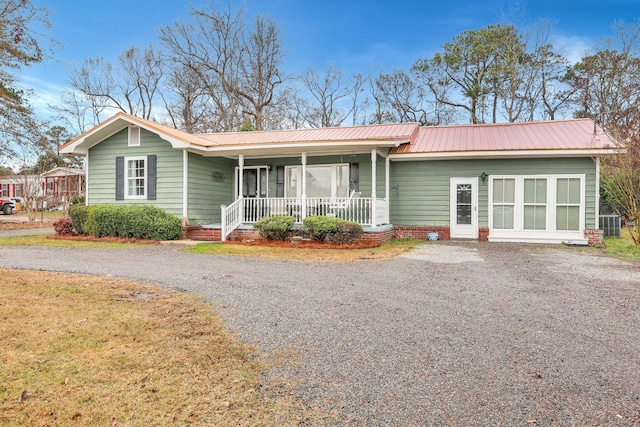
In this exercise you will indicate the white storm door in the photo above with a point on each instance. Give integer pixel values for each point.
(464, 208)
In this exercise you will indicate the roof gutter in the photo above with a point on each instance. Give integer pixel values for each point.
(407, 157)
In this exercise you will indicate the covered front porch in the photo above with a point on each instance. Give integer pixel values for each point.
(335, 185)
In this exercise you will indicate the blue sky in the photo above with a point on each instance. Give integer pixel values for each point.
(353, 35)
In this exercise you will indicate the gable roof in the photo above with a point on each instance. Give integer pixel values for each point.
(114, 124)
(63, 171)
(269, 142)
(399, 133)
(407, 141)
(557, 137)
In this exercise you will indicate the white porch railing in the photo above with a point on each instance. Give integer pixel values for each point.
(231, 218)
(357, 209)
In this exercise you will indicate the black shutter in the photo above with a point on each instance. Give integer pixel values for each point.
(119, 178)
(151, 177)
(354, 177)
(279, 181)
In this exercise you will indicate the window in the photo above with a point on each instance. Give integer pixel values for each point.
(135, 178)
(535, 204)
(504, 197)
(568, 204)
(5, 190)
(322, 181)
(549, 203)
(18, 190)
(134, 136)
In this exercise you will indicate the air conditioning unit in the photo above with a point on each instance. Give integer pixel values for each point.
(610, 225)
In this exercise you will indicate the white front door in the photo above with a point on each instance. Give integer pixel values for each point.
(464, 208)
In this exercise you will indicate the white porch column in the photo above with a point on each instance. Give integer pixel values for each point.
(185, 187)
(240, 174)
(303, 180)
(374, 159)
(387, 163)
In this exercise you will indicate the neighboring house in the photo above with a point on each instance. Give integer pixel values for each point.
(56, 187)
(531, 182)
(62, 184)
(10, 187)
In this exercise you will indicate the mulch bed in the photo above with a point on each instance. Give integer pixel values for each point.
(305, 244)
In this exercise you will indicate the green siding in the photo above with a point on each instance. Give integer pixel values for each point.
(421, 193)
(102, 170)
(210, 184)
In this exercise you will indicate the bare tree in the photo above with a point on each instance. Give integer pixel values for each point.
(331, 99)
(399, 98)
(131, 86)
(238, 65)
(187, 102)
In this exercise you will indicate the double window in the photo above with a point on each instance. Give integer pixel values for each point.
(321, 180)
(537, 203)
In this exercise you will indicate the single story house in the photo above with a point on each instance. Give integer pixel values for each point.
(512, 182)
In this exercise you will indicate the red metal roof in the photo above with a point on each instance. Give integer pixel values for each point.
(549, 135)
(402, 133)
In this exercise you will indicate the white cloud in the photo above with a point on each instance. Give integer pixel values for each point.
(44, 95)
(574, 48)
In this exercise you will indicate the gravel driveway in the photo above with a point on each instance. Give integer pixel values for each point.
(513, 335)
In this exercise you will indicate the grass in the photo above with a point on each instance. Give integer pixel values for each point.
(41, 240)
(622, 247)
(100, 351)
(46, 215)
(387, 250)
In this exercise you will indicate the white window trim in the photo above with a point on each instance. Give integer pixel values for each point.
(333, 167)
(126, 177)
(550, 234)
(134, 136)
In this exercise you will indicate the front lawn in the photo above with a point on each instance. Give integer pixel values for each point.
(622, 247)
(84, 350)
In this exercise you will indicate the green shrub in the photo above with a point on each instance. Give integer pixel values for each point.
(319, 226)
(133, 221)
(79, 215)
(91, 225)
(346, 232)
(275, 227)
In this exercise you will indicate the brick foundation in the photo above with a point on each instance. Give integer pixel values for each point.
(483, 234)
(378, 237)
(421, 231)
(196, 232)
(595, 237)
